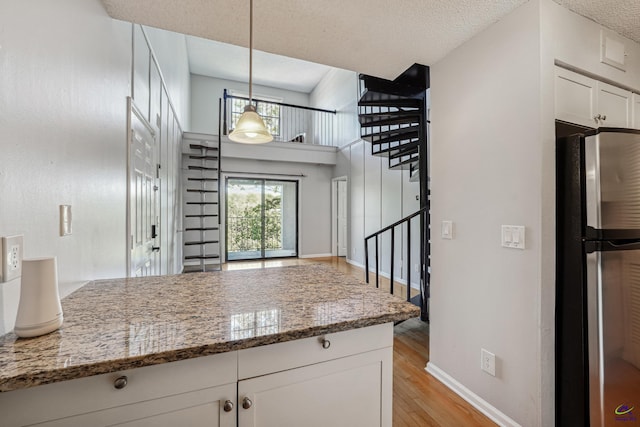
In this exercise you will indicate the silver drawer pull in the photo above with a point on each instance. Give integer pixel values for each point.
(325, 343)
(120, 382)
(228, 406)
(246, 403)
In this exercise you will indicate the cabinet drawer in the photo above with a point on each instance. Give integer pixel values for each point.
(258, 361)
(67, 398)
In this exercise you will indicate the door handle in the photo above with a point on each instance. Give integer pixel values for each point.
(154, 232)
(155, 248)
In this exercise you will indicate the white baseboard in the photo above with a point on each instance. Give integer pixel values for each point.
(476, 401)
(383, 274)
(315, 255)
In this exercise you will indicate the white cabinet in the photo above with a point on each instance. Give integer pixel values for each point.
(613, 106)
(585, 101)
(193, 390)
(349, 392)
(197, 408)
(337, 379)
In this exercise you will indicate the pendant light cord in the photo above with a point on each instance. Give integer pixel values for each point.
(250, 52)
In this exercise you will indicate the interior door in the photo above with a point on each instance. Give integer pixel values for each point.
(342, 218)
(143, 189)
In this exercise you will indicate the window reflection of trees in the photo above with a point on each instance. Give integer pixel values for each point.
(254, 324)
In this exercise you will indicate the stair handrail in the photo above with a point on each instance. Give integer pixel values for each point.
(407, 219)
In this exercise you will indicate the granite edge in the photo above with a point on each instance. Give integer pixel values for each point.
(34, 379)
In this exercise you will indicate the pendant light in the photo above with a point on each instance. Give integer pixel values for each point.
(250, 128)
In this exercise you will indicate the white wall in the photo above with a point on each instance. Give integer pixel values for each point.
(314, 204)
(205, 92)
(64, 80)
(170, 50)
(488, 168)
(338, 90)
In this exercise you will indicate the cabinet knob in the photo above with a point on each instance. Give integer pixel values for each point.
(246, 403)
(228, 406)
(600, 117)
(325, 343)
(120, 382)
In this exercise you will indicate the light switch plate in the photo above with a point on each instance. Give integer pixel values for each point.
(65, 220)
(513, 236)
(11, 258)
(447, 230)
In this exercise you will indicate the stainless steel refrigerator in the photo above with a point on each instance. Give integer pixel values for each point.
(598, 279)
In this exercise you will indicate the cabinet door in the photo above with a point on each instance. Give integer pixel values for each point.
(193, 409)
(575, 98)
(614, 106)
(636, 111)
(354, 391)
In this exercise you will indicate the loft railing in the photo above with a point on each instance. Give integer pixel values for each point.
(286, 122)
(422, 213)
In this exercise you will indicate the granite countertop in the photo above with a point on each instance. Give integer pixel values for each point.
(113, 325)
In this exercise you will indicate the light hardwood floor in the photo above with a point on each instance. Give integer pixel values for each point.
(419, 400)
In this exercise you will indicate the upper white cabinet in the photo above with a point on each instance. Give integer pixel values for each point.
(575, 98)
(613, 106)
(589, 102)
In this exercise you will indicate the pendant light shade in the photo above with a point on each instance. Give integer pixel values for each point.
(250, 128)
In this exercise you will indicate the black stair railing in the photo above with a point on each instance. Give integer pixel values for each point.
(422, 212)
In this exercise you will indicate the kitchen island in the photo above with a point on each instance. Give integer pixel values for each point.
(254, 347)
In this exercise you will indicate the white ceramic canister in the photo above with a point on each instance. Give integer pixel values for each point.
(39, 310)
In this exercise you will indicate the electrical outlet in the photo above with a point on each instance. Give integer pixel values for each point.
(488, 362)
(11, 257)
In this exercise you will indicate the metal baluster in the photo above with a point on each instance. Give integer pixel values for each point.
(366, 260)
(409, 260)
(393, 240)
(377, 265)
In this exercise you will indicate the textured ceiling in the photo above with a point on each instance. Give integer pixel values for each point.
(377, 37)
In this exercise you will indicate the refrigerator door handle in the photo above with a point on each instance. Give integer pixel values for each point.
(595, 339)
(592, 183)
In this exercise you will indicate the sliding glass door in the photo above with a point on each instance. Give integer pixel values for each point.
(261, 218)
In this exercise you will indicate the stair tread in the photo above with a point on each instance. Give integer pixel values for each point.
(400, 131)
(386, 149)
(200, 146)
(201, 256)
(200, 228)
(200, 215)
(202, 179)
(204, 242)
(204, 157)
(203, 168)
(379, 99)
(195, 190)
(202, 203)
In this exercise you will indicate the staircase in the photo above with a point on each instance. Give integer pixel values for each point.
(393, 118)
(201, 220)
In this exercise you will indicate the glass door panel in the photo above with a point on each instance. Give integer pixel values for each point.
(281, 225)
(244, 219)
(262, 219)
